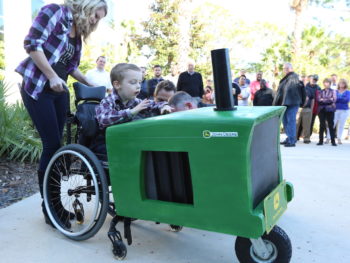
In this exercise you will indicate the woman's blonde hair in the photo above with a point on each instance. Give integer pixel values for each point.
(82, 10)
(345, 83)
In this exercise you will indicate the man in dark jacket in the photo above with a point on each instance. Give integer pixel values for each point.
(144, 91)
(290, 93)
(264, 96)
(315, 88)
(152, 83)
(236, 90)
(191, 82)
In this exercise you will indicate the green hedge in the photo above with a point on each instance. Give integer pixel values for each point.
(18, 138)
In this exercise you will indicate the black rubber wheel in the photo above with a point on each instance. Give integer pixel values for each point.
(175, 228)
(119, 250)
(277, 239)
(75, 182)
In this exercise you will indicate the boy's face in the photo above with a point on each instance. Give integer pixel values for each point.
(130, 86)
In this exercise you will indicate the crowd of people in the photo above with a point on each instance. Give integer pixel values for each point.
(54, 45)
(303, 98)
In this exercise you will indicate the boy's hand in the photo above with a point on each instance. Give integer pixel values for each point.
(142, 106)
(166, 109)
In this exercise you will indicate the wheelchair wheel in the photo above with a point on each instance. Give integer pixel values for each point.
(76, 192)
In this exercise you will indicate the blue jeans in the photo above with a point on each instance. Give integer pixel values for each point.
(48, 114)
(289, 123)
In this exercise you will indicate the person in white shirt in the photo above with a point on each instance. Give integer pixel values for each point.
(99, 76)
(245, 91)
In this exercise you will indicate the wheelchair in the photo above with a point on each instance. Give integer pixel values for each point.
(155, 171)
(76, 183)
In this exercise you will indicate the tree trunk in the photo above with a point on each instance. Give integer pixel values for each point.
(185, 12)
(299, 6)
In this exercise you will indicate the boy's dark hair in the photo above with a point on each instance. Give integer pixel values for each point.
(180, 97)
(118, 71)
(166, 85)
(156, 66)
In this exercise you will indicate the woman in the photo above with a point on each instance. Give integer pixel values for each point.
(54, 47)
(342, 108)
(245, 91)
(326, 107)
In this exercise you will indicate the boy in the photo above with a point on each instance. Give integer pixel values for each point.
(122, 105)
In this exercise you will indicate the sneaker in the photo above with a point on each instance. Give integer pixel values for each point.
(320, 143)
(307, 141)
(289, 145)
(334, 144)
(284, 142)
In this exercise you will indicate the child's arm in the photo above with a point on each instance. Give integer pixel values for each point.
(159, 107)
(108, 113)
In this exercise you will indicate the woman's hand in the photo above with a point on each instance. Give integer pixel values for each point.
(57, 84)
(142, 106)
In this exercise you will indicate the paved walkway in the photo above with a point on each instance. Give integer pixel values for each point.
(317, 222)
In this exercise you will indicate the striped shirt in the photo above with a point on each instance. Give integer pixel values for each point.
(112, 110)
(49, 33)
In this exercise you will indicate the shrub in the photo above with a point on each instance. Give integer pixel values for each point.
(18, 138)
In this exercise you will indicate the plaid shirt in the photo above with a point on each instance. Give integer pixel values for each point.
(111, 110)
(49, 34)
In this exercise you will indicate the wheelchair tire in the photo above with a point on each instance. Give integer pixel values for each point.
(75, 186)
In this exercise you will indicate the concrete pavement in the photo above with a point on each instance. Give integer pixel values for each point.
(317, 222)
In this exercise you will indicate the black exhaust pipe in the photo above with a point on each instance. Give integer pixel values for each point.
(222, 79)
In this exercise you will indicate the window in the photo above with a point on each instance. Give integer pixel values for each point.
(36, 6)
(167, 177)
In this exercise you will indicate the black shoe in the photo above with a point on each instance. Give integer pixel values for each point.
(284, 142)
(65, 213)
(334, 144)
(307, 142)
(64, 222)
(289, 145)
(320, 143)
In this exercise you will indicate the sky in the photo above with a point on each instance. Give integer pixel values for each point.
(274, 11)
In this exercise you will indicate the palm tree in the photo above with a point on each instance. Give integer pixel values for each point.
(299, 6)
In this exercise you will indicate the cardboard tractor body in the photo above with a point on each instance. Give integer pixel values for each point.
(211, 170)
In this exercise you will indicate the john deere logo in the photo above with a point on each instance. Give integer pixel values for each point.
(208, 134)
(276, 201)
